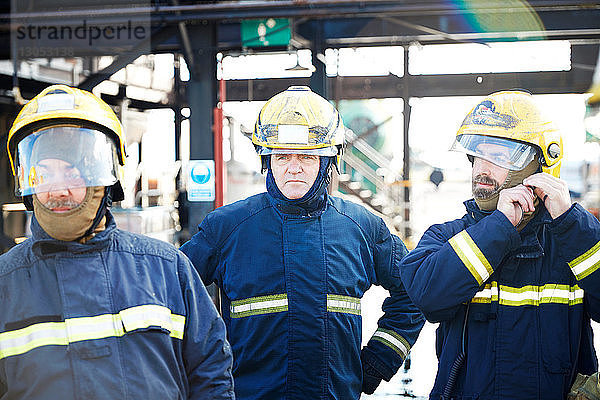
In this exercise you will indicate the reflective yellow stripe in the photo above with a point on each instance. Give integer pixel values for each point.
(586, 263)
(530, 295)
(392, 340)
(259, 305)
(88, 328)
(471, 256)
(38, 335)
(343, 304)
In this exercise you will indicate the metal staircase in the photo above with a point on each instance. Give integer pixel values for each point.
(359, 178)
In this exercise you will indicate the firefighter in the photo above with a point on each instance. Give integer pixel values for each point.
(90, 311)
(293, 263)
(514, 282)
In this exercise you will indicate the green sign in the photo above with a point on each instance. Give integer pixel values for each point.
(266, 32)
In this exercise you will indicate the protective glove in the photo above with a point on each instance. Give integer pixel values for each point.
(585, 388)
(371, 378)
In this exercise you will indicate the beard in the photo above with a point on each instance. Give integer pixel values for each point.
(65, 202)
(480, 193)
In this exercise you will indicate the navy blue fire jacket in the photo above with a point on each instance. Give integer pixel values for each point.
(122, 316)
(531, 295)
(291, 286)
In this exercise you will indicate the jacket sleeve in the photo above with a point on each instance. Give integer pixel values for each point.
(399, 327)
(207, 354)
(577, 234)
(451, 264)
(202, 252)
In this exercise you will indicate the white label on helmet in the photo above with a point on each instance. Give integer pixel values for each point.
(58, 101)
(296, 134)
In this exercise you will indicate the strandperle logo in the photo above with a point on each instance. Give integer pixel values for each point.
(89, 33)
(70, 30)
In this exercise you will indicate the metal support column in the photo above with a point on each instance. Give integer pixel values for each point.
(202, 97)
(406, 148)
(318, 79)
(182, 207)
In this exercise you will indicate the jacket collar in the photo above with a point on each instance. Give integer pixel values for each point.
(285, 207)
(43, 244)
(530, 246)
(541, 217)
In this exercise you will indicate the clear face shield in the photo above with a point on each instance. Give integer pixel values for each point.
(504, 153)
(65, 158)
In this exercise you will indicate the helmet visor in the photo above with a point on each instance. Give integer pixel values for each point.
(323, 151)
(65, 157)
(502, 152)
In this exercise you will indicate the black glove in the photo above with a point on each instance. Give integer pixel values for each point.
(371, 378)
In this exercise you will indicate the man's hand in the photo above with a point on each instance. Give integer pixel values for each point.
(514, 202)
(553, 192)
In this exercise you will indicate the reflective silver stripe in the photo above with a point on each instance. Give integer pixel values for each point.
(530, 294)
(88, 328)
(586, 263)
(259, 305)
(343, 304)
(488, 294)
(392, 340)
(471, 256)
(144, 316)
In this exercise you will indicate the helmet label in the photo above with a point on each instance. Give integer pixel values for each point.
(485, 114)
(58, 101)
(293, 134)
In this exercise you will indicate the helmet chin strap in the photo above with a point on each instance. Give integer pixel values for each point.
(104, 205)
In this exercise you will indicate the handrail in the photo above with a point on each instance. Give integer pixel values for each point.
(365, 170)
(365, 148)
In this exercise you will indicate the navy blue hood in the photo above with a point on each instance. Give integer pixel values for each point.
(314, 200)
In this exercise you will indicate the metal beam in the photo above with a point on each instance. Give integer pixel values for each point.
(135, 103)
(122, 60)
(293, 8)
(365, 87)
(577, 80)
(346, 22)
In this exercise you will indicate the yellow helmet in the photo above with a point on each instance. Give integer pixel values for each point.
(298, 120)
(60, 105)
(512, 119)
(71, 125)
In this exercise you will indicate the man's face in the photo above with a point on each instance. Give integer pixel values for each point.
(487, 176)
(294, 173)
(67, 188)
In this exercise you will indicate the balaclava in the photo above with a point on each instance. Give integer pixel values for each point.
(75, 223)
(316, 197)
(514, 178)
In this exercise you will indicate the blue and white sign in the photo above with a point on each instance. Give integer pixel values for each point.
(201, 180)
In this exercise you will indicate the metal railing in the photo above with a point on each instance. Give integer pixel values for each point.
(359, 174)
